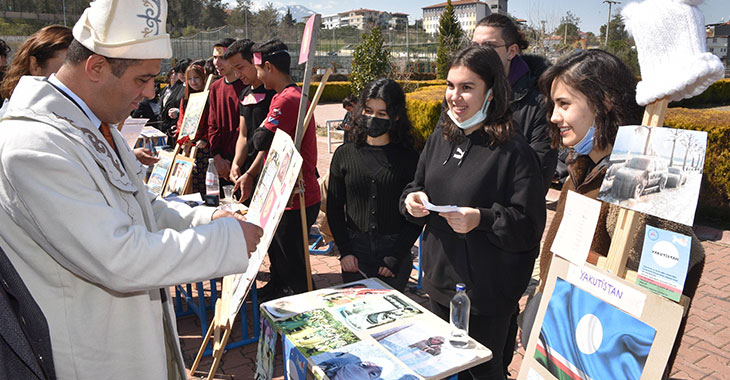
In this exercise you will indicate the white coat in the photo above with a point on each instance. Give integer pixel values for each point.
(93, 246)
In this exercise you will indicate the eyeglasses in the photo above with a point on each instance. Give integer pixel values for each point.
(491, 44)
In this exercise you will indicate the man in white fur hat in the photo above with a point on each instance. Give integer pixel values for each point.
(92, 245)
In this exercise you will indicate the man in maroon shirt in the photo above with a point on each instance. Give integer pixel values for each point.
(223, 111)
(288, 271)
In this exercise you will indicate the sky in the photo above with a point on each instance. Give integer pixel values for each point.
(592, 13)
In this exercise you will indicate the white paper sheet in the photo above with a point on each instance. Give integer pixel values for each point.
(131, 129)
(575, 234)
(432, 207)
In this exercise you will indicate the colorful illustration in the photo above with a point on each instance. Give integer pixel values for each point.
(375, 311)
(282, 145)
(265, 351)
(583, 337)
(296, 364)
(423, 348)
(179, 176)
(159, 172)
(191, 118)
(316, 331)
(337, 297)
(347, 363)
(656, 171)
(664, 262)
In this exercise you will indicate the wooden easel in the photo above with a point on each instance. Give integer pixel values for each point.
(221, 324)
(189, 149)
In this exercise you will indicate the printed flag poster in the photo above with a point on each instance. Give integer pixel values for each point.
(361, 361)
(316, 331)
(269, 200)
(423, 348)
(664, 262)
(583, 337)
(656, 171)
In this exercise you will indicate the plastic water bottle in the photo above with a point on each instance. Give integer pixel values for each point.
(460, 307)
(212, 185)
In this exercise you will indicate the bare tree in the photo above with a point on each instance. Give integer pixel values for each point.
(674, 136)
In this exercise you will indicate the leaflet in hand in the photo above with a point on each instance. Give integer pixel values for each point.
(432, 207)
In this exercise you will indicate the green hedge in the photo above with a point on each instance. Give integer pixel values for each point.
(334, 92)
(717, 94)
(714, 201)
(424, 109)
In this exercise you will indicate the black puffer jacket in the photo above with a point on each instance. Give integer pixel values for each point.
(529, 115)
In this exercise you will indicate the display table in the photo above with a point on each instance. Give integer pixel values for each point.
(360, 330)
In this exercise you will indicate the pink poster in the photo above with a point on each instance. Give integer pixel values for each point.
(306, 39)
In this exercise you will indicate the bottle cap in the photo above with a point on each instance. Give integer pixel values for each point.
(460, 287)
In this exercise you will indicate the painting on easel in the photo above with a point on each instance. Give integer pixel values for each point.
(193, 113)
(656, 171)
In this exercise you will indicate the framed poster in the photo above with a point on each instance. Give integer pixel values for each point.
(179, 176)
(191, 118)
(593, 325)
(157, 179)
(272, 192)
(656, 171)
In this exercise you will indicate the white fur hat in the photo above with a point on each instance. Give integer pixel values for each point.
(670, 39)
(125, 29)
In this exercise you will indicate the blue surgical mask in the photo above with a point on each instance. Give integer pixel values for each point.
(477, 118)
(585, 145)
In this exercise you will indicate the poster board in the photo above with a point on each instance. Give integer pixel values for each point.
(402, 340)
(191, 118)
(270, 198)
(651, 316)
(178, 179)
(656, 171)
(158, 178)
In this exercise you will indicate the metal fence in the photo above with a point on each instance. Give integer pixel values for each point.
(334, 47)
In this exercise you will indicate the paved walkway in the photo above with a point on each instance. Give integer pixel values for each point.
(704, 352)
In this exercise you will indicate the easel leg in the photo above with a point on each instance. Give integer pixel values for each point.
(218, 353)
(305, 235)
(201, 350)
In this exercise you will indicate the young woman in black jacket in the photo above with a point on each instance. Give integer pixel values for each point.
(366, 179)
(477, 162)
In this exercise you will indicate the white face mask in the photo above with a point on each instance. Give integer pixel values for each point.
(477, 118)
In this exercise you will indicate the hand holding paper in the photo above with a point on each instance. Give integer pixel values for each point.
(463, 219)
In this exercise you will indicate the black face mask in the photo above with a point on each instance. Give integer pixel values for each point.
(375, 126)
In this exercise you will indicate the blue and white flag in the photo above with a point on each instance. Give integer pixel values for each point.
(583, 337)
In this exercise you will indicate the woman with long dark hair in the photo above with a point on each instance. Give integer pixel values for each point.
(590, 95)
(366, 178)
(476, 161)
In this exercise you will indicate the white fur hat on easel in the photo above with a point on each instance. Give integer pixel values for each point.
(670, 39)
(125, 29)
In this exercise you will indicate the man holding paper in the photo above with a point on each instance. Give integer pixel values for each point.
(89, 241)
